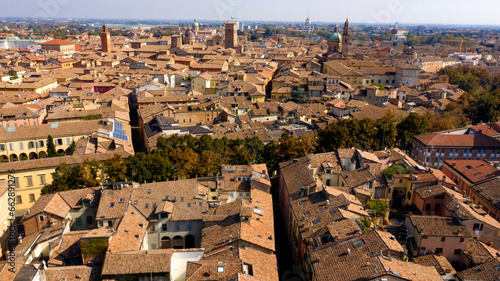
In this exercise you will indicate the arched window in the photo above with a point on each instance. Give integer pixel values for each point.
(166, 243)
(190, 242)
(178, 242)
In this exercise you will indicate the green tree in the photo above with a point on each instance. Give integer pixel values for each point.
(51, 148)
(298, 96)
(92, 117)
(61, 180)
(115, 169)
(379, 207)
(397, 170)
(410, 127)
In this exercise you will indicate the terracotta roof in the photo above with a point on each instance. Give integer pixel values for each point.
(490, 190)
(410, 271)
(440, 263)
(477, 253)
(430, 191)
(259, 230)
(454, 140)
(473, 170)
(485, 271)
(50, 203)
(43, 130)
(130, 233)
(438, 226)
(54, 161)
(329, 262)
(58, 42)
(78, 272)
(137, 262)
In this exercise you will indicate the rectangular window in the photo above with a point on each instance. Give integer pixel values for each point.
(59, 142)
(457, 251)
(2, 147)
(16, 182)
(29, 181)
(68, 141)
(19, 199)
(190, 226)
(152, 228)
(439, 250)
(21, 145)
(427, 207)
(89, 220)
(31, 144)
(32, 197)
(437, 207)
(42, 179)
(462, 240)
(164, 227)
(41, 218)
(443, 239)
(11, 145)
(153, 246)
(41, 144)
(248, 269)
(177, 226)
(78, 221)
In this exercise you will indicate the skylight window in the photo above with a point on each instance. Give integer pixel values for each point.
(112, 204)
(121, 200)
(316, 221)
(358, 243)
(11, 129)
(149, 191)
(54, 125)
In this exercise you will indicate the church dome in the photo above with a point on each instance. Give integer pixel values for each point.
(195, 24)
(189, 34)
(336, 34)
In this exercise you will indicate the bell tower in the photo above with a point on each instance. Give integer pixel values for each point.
(345, 38)
(105, 40)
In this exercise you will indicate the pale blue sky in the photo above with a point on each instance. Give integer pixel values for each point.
(370, 11)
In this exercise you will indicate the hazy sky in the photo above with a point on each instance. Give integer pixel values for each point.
(369, 11)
